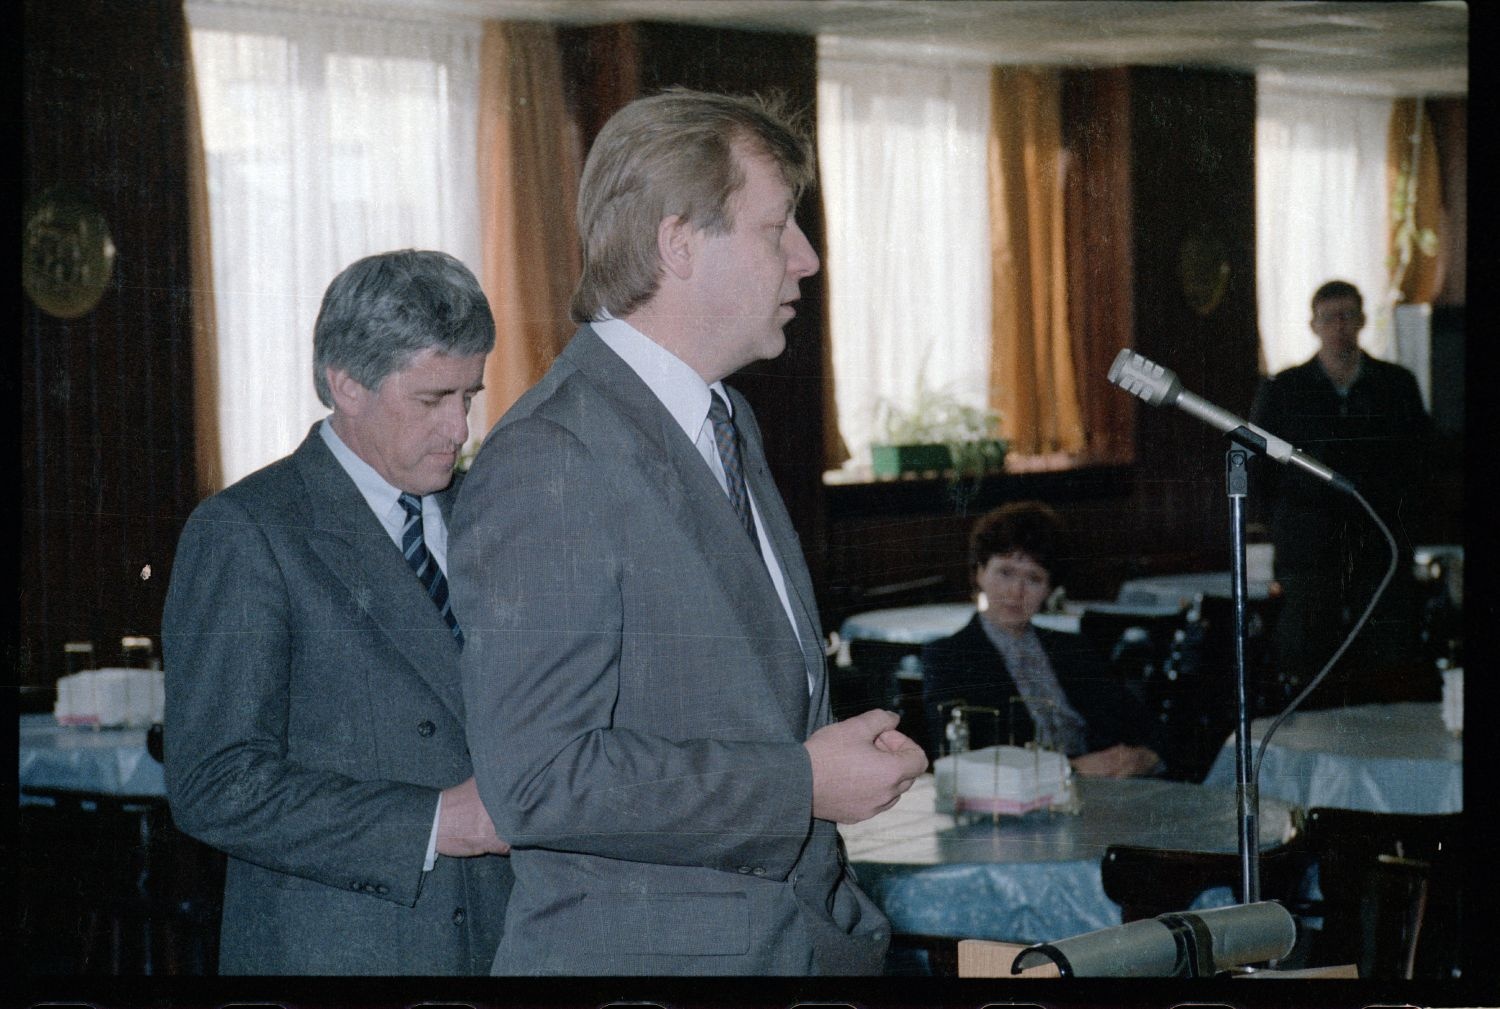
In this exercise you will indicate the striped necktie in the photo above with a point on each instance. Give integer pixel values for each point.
(428, 573)
(727, 440)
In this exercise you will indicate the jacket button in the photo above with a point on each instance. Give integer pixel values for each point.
(425, 728)
(458, 916)
(356, 885)
(382, 888)
(759, 871)
(745, 869)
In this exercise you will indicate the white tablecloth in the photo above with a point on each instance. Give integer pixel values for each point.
(909, 625)
(918, 625)
(1180, 590)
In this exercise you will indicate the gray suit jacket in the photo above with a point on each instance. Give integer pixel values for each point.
(638, 700)
(313, 714)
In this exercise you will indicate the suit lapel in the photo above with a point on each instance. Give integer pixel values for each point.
(674, 472)
(778, 526)
(351, 541)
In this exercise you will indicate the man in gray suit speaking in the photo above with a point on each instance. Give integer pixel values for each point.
(314, 717)
(644, 678)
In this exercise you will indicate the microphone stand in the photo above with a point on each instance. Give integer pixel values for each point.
(1247, 795)
(1158, 386)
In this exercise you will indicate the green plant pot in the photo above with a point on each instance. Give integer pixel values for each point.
(893, 460)
(984, 456)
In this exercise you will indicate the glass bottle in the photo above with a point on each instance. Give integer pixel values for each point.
(135, 653)
(957, 732)
(78, 656)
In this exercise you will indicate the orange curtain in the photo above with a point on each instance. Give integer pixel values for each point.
(1032, 381)
(1416, 203)
(528, 187)
(207, 458)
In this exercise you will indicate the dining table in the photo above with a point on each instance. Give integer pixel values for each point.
(1181, 590)
(927, 622)
(1037, 877)
(85, 760)
(1382, 758)
(93, 807)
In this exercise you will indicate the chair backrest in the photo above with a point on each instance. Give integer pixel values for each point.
(1135, 641)
(1159, 653)
(1391, 891)
(1147, 882)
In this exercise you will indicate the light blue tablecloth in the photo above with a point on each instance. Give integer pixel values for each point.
(1035, 878)
(1384, 758)
(108, 761)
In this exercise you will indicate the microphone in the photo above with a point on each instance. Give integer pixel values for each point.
(1182, 944)
(1161, 387)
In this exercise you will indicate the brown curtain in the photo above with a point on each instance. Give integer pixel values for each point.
(1096, 138)
(1415, 201)
(528, 187)
(207, 456)
(1032, 380)
(835, 449)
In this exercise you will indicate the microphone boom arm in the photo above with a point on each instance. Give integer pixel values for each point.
(1159, 386)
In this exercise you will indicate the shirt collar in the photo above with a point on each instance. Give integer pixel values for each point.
(374, 487)
(681, 389)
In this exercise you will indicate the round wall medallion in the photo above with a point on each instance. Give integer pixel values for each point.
(1203, 269)
(67, 254)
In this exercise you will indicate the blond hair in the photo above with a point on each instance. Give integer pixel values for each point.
(671, 154)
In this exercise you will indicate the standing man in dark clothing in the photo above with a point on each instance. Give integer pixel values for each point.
(1364, 418)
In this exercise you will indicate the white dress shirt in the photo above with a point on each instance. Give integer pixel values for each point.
(687, 397)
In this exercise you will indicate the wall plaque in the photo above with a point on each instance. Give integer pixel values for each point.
(67, 254)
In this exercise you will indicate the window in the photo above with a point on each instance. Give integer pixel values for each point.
(327, 138)
(1320, 192)
(902, 158)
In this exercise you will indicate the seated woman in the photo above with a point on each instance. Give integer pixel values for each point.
(1000, 660)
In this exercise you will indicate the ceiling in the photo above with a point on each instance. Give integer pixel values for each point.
(1375, 48)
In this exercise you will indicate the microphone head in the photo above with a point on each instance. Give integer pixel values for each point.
(1146, 379)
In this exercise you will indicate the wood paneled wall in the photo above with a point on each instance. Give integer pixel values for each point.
(1192, 177)
(106, 399)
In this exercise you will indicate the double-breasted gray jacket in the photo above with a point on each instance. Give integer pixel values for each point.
(313, 714)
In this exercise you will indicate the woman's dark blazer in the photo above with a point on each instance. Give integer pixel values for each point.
(967, 666)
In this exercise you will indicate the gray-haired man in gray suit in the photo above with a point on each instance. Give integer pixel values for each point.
(314, 719)
(645, 682)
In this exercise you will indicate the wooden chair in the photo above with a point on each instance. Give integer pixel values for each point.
(1391, 891)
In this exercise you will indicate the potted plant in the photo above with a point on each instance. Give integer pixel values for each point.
(937, 433)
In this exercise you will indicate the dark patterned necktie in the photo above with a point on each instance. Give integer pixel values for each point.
(727, 439)
(428, 573)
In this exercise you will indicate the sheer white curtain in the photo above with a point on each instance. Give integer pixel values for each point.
(1320, 213)
(902, 161)
(327, 138)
